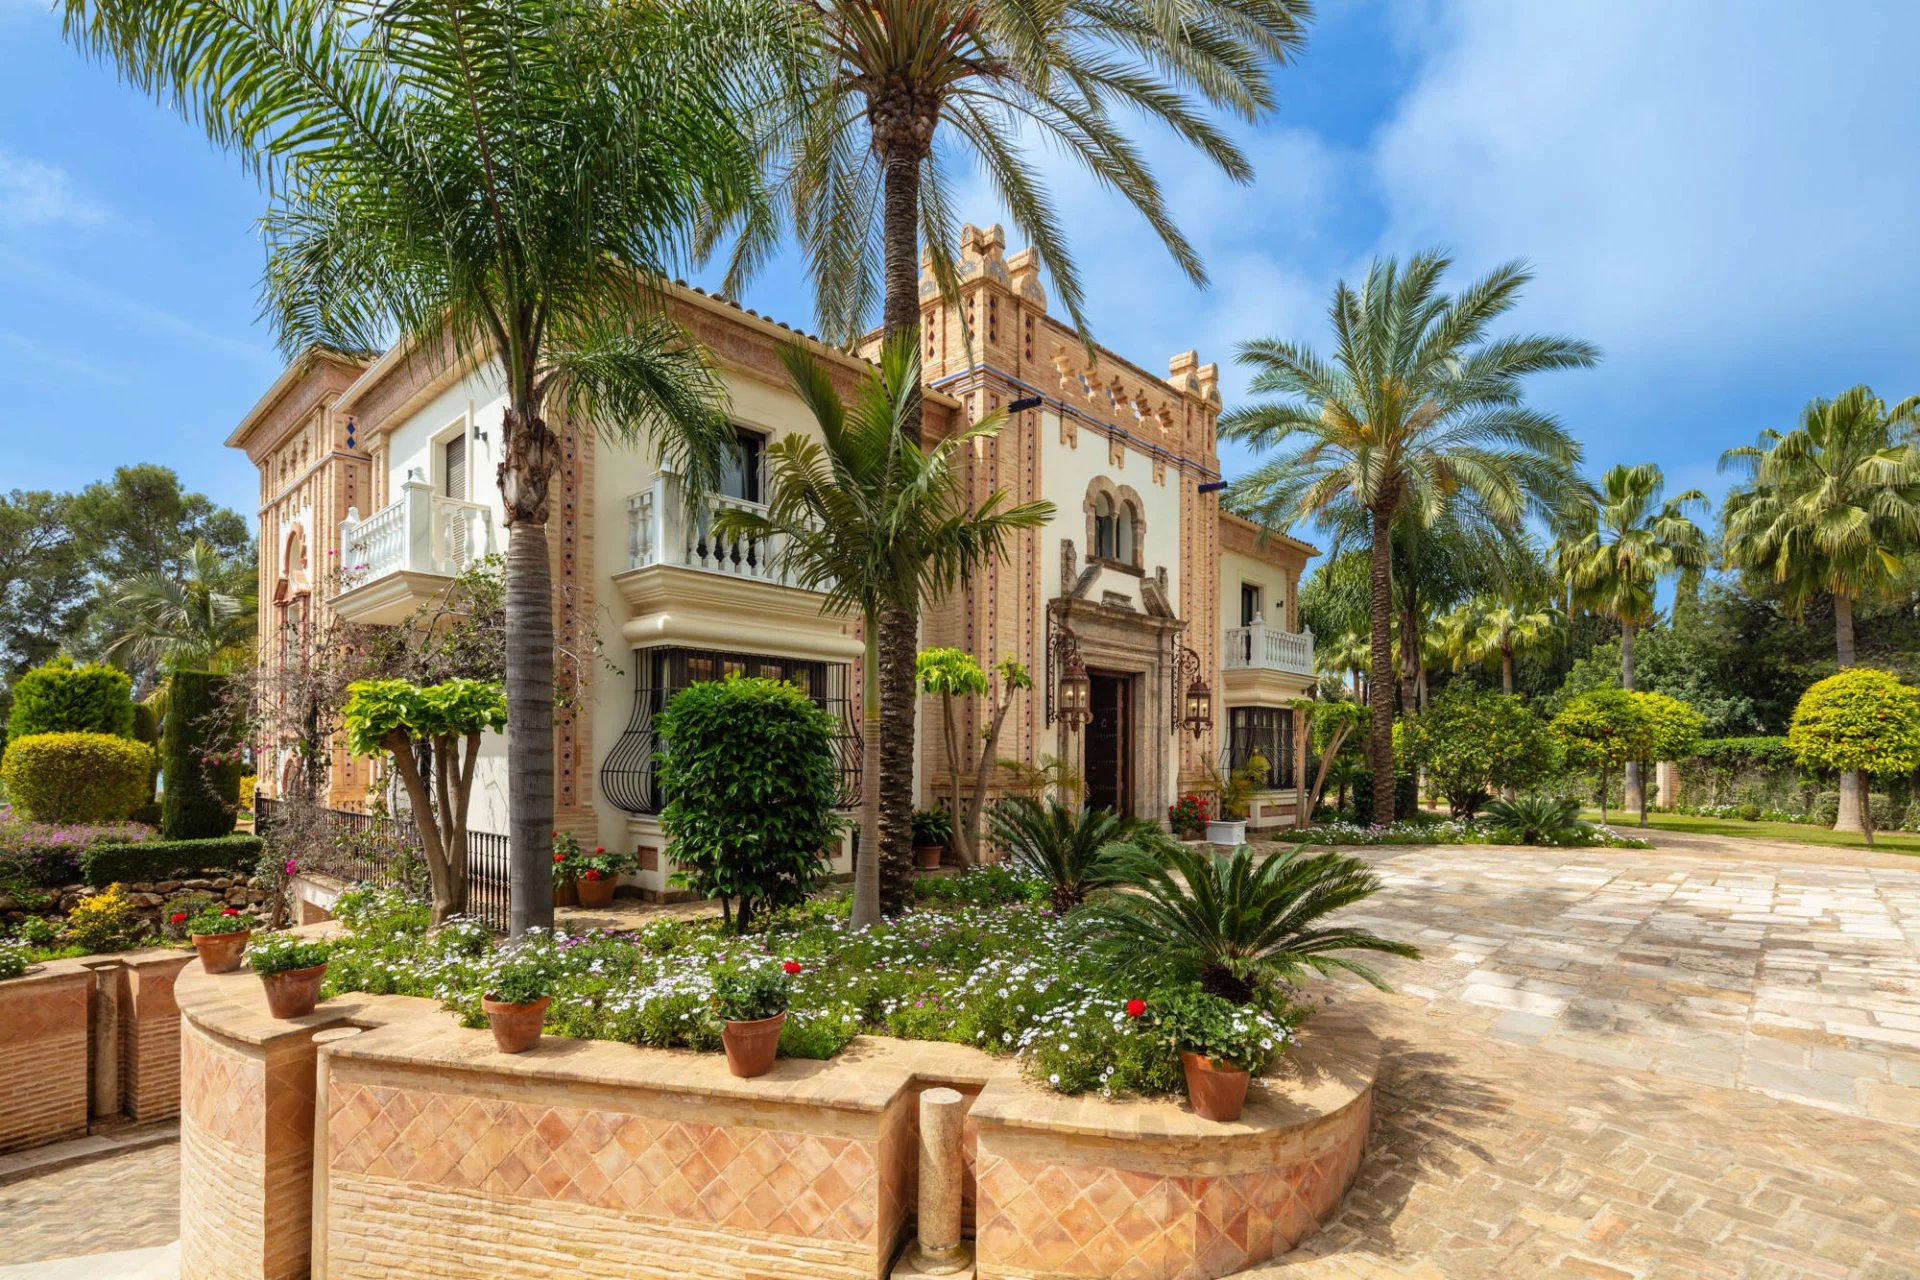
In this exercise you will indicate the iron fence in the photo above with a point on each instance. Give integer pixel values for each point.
(354, 853)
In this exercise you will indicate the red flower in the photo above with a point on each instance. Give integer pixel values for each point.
(592, 874)
(791, 967)
(600, 850)
(230, 911)
(1136, 1007)
(559, 857)
(178, 916)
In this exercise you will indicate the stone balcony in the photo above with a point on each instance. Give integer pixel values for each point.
(406, 553)
(1265, 666)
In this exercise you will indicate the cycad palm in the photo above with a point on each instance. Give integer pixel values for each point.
(1613, 560)
(1417, 407)
(1237, 922)
(1073, 850)
(201, 619)
(1832, 506)
(870, 519)
(507, 180)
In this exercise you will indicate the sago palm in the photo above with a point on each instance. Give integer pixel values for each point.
(1418, 408)
(1074, 850)
(870, 519)
(1238, 922)
(1831, 507)
(500, 180)
(200, 619)
(1614, 559)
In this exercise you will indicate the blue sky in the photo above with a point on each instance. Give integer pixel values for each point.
(1722, 196)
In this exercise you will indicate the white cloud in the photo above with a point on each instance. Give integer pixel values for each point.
(34, 194)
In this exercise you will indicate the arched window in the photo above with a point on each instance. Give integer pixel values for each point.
(1105, 536)
(1126, 535)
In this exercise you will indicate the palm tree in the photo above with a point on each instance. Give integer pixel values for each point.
(1073, 850)
(1832, 506)
(1614, 559)
(1503, 625)
(860, 136)
(510, 180)
(870, 519)
(1417, 407)
(201, 620)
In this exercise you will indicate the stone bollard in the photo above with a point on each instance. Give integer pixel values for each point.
(941, 1251)
(104, 1041)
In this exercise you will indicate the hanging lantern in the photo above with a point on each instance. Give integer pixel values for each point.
(1198, 715)
(1076, 692)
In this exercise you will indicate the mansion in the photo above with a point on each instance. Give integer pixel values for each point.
(377, 487)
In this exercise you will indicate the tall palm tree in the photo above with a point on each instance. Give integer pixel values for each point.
(1503, 626)
(860, 136)
(202, 619)
(1832, 506)
(1613, 561)
(870, 519)
(1417, 407)
(510, 180)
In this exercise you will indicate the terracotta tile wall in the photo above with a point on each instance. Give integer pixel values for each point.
(43, 1057)
(150, 1036)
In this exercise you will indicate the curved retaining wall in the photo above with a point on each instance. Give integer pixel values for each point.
(374, 1138)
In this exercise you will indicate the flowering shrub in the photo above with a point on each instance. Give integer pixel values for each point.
(1187, 816)
(106, 921)
(1238, 1036)
(566, 853)
(217, 918)
(50, 852)
(520, 975)
(1452, 831)
(285, 952)
(752, 990)
(13, 959)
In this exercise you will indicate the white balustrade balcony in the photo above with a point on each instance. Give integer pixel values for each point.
(1263, 648)
(395, 559)
(663, 529)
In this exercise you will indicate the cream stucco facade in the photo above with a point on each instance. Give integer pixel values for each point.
(380, 472)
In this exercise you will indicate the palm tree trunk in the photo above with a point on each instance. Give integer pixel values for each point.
(529, 585)
(1852, 814)
(899, 699)
(900, 235)
(1380, 684)
(866, 860)
(1506, 671)
(1409, 653)
(1634, 797)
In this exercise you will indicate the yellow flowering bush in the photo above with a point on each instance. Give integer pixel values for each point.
(105, 922)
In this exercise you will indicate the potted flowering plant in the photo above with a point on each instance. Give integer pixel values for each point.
(1234, 793)
(1187, 816)
(1221, 1045)
(291, 969)
(219, 934)
(751, 1001)
(518, 991)
(566, 855)
(932, 831)
(597, 874)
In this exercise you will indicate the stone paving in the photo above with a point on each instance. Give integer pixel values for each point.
(126, 1201)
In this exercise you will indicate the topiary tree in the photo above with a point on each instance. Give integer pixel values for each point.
(1475, 743)
(199, 758)
(63, 698)
(1603, 730)
(750, 780)
(955, 673)
(77, 777)
(391, 716)
(1674, 730)
(1862, 720)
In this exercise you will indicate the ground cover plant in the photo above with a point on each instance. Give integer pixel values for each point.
(1488, 829)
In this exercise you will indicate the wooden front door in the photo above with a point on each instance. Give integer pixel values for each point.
(1109, 766)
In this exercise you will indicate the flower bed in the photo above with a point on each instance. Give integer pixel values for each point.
(35, 854)
(982, 963)
(1446, 831)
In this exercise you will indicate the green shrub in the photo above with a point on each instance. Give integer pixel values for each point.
(1826, 808)
(993, 886)
(1537, 820)
(199, 754)
(932, 827)
(752, 991)
(169, 859)
(1406, 795)
(751, 780)
(1475, 742)
(1071, 851)
(63, 698)
(36, 931)
(1230, 1034)
(77, 777)
(520, 976)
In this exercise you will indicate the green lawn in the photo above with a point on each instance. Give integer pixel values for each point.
(1887, 842)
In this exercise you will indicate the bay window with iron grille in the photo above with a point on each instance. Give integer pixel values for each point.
(1266, 732)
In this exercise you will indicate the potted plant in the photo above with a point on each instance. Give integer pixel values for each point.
(597, 875)
(932, 831)
(517, 995)
(1221, 1045)
(1187, 816)
(219, 934)
(566, 858)
(751, 1001)
(291, 969)
(1233, 792)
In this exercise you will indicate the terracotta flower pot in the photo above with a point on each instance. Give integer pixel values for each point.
(930, 855)
(1216, 1092)
(595, 893)
(565, 894)
(294, 993)
(516, 1027)
(751, 1046)
(221, 952)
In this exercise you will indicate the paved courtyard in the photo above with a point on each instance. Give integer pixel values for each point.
(1701, 1061)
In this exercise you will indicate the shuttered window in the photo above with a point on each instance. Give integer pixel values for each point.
(456, 468)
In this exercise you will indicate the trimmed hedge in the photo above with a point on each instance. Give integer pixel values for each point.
(63, 698)
(77, 777)
(198, 755)
(103, 864)
(1753, 753)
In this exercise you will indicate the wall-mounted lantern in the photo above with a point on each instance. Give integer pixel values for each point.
(1069, 691)
(1192, 696)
